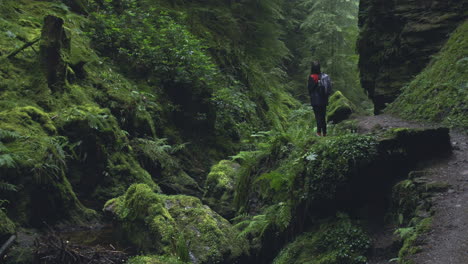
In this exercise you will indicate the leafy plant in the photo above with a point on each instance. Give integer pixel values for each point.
(52, 165)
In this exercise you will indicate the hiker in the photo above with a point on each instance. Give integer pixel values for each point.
(319, 86)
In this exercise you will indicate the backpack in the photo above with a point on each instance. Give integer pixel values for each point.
(323, 85)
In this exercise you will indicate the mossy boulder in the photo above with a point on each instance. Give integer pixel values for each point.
(340, 108)
(175, 225)
(333, 242)
(416, 143)
(28, 137)
(160, 160)
(105, 164)
(220, 187)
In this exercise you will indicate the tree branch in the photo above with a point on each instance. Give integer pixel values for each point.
(25, 46)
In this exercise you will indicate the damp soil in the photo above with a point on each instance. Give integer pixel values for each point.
(447, 240)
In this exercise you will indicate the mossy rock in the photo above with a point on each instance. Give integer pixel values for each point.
(27, 120)
(335, 241)
(437, 186)
(440, 92)
(107, 164)
(220, 187)
(158, 158)
(7, 227)
(340, 108)
(46, 195)
(411, 245)
(417, 143)
(177, 224)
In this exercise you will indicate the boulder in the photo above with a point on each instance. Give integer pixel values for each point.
(220, 187)
(175, 225)
(340, 108)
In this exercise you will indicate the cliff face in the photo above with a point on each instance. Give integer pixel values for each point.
(398, 38)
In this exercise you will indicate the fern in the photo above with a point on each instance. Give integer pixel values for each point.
(276, 216)
(405, 232)
(7, 161)
(256, 226)
(158, 151)
(53, 165)
(8, 136)
(5, 186)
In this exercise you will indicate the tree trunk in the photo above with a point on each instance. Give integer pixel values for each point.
(55, 48)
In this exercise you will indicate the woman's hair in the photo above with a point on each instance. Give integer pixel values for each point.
(315, 67)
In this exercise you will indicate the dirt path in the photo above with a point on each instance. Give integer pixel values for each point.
(447, 242)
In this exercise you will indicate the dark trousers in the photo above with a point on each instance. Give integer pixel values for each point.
(320, 111)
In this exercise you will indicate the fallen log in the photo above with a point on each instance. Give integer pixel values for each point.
(7, 244)
(25, 46)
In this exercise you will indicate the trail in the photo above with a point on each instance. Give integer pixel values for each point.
(447, 242)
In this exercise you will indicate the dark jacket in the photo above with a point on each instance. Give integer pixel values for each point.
(317, 98)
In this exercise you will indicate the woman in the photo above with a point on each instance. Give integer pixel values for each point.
(319, 86)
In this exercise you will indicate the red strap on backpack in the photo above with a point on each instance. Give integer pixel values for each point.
(315, 77)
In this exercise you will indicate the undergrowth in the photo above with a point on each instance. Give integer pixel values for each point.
(440, 92)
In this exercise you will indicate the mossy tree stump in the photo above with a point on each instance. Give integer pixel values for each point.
(55, 48)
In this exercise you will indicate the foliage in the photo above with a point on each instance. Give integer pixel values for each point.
(410, 236)
(439, 93)
(336, 241)
(275, 217)
(154, 44)
(158, 151)
(331, 162)
(153, 259)
(7, 227)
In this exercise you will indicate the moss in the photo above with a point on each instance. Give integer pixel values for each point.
(437, 186)
(340, 108)
(153, 259)
(219, 187)
(411, 209)
(7, 227)
(410, 240)
(335, 241)
(439, 93)
(47, 194)
(413, 142)
(23, 119)
(124, 170)
(153, 222)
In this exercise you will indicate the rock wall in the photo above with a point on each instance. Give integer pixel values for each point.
(398, 38)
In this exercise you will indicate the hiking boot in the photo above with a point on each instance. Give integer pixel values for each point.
(319, 134)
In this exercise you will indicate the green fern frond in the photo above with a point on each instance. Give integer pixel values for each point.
(158, 151)
(8, 136)
(7, 161)
(5, 186)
